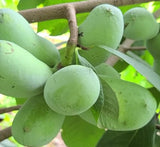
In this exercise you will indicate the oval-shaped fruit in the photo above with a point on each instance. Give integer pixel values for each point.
(140, 24)
(21, 74)
(153, 46)
(36, 124)
(137, 106)
(103, 26)
(14, 28)
(72, 90)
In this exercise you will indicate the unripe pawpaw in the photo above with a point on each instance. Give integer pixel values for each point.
(103, 26)
(21, 74)
(72, 90)
(140, 24)
(36, 124)
(137, 106)
(14, 28)
(153, 46)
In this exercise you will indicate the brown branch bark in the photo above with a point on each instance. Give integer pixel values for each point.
(112, 60)
(72, 42)
(9, 109)
(59, 11)
(5, 133)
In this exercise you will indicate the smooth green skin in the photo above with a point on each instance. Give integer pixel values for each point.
(153, 46)
(106, 70)
(36, 124)
(22, 75)
(95, 55)
(103, 26)
(72, 90)
(14, 28)
(136, 106)
(140, 24)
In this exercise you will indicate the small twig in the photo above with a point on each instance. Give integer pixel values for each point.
(112, 60)
(5, 133)
(134, 48)
(72, 42)
(9, 109)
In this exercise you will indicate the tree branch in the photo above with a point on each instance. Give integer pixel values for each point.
(5, 133)
(59, 11)
(72, 42)
(112, 60)
(9, 109)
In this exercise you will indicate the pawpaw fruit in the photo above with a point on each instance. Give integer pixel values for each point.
(15, 28)
(72, 90)
(107, 70)
(95, 55)
(140, 24)
(36, 124)
(103, 26)
(137, 106)
(22, 74)
(153, 46)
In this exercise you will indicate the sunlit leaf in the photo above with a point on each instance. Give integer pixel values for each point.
(146, 71)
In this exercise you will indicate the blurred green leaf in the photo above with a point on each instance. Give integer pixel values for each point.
(26, 4)
(143, 137)
(78, 133)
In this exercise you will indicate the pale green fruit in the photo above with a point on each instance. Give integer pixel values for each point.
(21, 74)
(36, 124)
(153, 45)
(14, 28)
(136, 104)
(72, 90)
(103, 26)
(140, 24)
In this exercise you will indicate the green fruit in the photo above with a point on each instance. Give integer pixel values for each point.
(36, 124)
(21, 74)
(95, 55)
(153, 46)
(14, 28)
(72, 90)
(107, 70)
(140, 24)
(137, 106)
(103, 26)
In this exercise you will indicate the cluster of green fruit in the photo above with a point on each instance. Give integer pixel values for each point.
(95, 93)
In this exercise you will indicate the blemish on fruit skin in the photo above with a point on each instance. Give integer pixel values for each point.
(25, 129)
(80, 34)
(11, 51)
(13, 86)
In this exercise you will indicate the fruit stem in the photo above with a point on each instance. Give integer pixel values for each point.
(72, 42)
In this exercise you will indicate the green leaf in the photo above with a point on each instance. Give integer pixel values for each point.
(26, 4)
(78, 133)
(143, 137)
(146, 71)
(82, 60)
